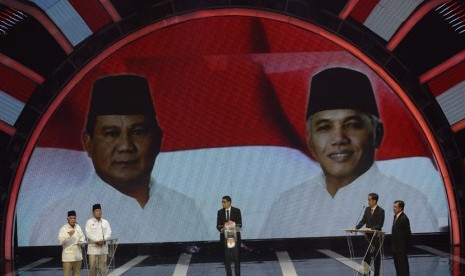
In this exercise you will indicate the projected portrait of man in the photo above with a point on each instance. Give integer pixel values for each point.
(123, 138)
(343, 132)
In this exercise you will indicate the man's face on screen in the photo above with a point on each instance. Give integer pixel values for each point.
(342, 141)
(123, 149)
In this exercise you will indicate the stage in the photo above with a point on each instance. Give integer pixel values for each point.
(429, 255)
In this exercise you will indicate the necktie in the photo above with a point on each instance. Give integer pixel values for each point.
(227, 215)
(372, 211)
(395, 217)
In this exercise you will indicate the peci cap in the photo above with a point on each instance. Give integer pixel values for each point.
(120, 95)
(96, 206)
(341, 88)
(71, 213)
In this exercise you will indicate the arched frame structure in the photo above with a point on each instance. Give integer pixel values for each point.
(326, 33)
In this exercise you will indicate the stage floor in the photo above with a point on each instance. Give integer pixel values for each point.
(424, 260)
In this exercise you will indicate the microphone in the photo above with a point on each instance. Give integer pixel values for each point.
(358, 219)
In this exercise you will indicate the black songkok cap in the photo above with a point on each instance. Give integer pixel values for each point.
(120, 95)
(96, 206)
(71, 213)
(341, 88)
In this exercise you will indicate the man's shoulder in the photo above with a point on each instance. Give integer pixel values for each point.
(63, 227)
(387, 184)
(160, 192)
(311, 186)
(403, 216)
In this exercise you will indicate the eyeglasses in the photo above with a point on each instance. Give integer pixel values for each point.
(224, 201)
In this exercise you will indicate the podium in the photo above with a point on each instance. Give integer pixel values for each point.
(230, 231)
(231, 247)
(373, 237)
(112, 246)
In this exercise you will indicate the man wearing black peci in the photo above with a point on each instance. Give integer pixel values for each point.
(123, 138)
(227, 215)
(344, 133)
(373, 218)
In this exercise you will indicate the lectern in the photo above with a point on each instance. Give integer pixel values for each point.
(230, 234)
(231, 247)
(112, 246)
(372, 237)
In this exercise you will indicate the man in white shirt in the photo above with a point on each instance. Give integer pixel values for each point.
(123, 138)
(70, 237)
(343, 132)
(98, 231)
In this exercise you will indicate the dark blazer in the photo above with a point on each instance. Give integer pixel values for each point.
(374, 222)
(400, 234)
(235, 216)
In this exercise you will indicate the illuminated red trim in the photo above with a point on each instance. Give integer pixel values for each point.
(411, 22)
(44, 20)
(456, 261)
(23, 70)
(446, 65)
(445, 81)
(10, 130)
(347, 9)
(111, 10)
(460, 125)
(455, 233)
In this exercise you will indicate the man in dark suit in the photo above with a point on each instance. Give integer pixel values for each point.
(400, 239)
(373, 218)
(226, 215)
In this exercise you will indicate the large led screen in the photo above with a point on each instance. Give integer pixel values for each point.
(231, 98)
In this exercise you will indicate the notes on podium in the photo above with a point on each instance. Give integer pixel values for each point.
(364, 231)
(108, 242)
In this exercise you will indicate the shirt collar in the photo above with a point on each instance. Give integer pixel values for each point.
(106, 190)
(362, 180)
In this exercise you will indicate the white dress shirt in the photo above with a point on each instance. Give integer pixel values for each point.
(71, 250)
(97, 230)
(308, 210)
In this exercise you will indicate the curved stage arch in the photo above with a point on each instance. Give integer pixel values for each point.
(275, 70)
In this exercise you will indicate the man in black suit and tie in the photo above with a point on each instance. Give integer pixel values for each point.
(225, 215)
(373, 218)
(400, 239)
